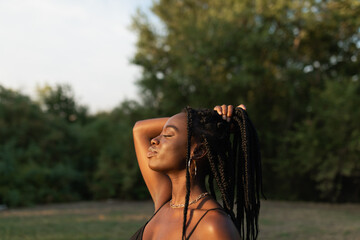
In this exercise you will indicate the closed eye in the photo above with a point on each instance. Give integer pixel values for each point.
(167, 135)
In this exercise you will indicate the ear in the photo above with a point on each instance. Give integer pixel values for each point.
(199, 151)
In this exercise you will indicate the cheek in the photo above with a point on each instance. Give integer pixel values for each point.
(174, 153)
(170, 157)
(179, 150)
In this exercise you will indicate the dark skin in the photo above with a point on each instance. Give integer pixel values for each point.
(160, 146)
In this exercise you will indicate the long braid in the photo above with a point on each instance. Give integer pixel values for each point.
(189, 132)
(249, 174)
(258, 163)
(245, 148)
(239, 187)
(212, 163)
(253, 180)
(216, 171)
(243, 176)
(257, 170)
(211, 185)
(235, 167)
(225, 184)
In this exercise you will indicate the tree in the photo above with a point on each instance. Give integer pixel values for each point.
(269, 55)
(117, 174)
(36, 154)
(60, 101)
(329, 142)
(46, 157)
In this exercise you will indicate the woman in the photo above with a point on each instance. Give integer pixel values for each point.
(176, 154)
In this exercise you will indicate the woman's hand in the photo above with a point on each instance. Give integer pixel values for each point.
(227, 110)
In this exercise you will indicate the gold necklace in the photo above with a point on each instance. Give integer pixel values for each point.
(192, 202)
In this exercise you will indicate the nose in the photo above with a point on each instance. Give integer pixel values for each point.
(154, 141)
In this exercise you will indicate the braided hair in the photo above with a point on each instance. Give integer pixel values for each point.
(233, 154)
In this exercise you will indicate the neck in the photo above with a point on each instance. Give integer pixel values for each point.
(197, 187)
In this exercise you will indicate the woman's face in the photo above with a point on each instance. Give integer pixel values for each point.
(167, 152)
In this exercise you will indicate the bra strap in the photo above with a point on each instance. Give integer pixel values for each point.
(158, 210)
(192, 231)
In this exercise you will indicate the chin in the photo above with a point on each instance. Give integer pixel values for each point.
(154, 165)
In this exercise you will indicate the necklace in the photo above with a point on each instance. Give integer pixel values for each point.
(192, 202)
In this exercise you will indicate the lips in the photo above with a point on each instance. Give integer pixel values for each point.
(151, 152)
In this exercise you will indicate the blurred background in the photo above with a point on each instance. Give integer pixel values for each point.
(76, 75)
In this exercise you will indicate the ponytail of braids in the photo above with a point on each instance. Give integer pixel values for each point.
(234, 160)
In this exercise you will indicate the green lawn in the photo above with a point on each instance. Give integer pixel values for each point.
(119, 220)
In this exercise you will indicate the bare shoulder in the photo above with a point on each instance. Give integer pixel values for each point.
(217, 225)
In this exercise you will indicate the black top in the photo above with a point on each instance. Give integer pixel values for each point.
(139, 234)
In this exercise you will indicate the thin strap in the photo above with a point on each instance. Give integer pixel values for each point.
(139, 234)
(157, 211)
(192, 231)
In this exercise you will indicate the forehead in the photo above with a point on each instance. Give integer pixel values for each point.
(179, 121)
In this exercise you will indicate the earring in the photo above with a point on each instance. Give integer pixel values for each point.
(189, 166)
(195, 168)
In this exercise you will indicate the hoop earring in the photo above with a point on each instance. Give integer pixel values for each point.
(189, 166)
(195, 168)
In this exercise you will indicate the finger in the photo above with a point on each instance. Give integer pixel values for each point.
(218, 109)
(224, 111)
(229, 112)
(242, 106)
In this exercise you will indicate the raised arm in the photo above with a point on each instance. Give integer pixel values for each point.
(159, 184)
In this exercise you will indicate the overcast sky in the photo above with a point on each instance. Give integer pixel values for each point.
(84, 43)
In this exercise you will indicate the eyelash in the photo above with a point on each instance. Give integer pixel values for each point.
(167, 135)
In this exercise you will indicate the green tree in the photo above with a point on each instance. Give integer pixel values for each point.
(36, 154)
(329, 140)
(269, 55)
(60, 101)
(117, 174)
(46, 157)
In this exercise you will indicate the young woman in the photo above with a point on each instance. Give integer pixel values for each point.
(177, 154)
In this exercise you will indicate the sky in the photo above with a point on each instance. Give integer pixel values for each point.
(87, 44)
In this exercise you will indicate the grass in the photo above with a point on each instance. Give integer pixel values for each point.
(119, 220)
(296, 220)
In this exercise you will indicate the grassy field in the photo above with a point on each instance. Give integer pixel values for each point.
(119, 220)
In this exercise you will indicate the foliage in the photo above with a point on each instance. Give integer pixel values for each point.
(61, 102)
(46, 157)
(118, 174)
(274, 56)
(329, 140)
(294, 64)
(36, 157)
